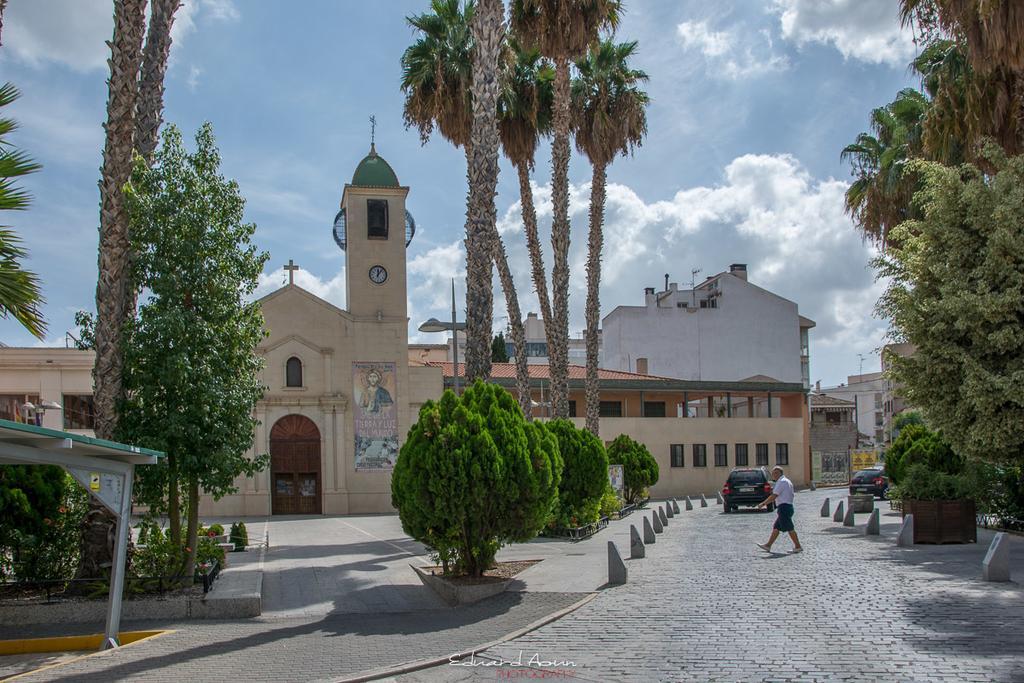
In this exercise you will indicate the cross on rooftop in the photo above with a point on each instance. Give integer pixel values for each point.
(373, 128)
(291, 268)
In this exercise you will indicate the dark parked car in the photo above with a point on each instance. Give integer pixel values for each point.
(871, 481)
(747, 486)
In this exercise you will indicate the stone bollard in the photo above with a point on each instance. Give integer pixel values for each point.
(849, 520)
(656, 523)
(662, 516)
(813, 487)
(636, 546)
(703, 501)
(649, 536)
(906, 536)
(689, 503)
(838, 517)
(616, 567)
(874, 523)
(825, 509)
(996, 566)
(675, 506)
(720, 500)
(668, 510)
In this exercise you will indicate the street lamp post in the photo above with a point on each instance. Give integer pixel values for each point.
(435, 325)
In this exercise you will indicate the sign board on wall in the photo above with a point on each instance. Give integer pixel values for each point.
(617, 478)
(376, 422)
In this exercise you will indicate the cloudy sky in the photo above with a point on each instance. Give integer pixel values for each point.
(751, 103)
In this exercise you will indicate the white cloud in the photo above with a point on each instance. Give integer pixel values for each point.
(728, 56)
(866, 30)
(332, 290)
(767, 211)
(192, 81)
(74, 32)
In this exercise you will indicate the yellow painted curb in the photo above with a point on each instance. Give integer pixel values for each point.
(69, 643)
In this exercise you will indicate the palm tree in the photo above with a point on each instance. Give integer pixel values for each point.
(562, 30)
(879, 199)
(3, 6)
(524, 115)
(978, 75)
(20, 294)
(609, 119)
(151, 84)
(437, 80)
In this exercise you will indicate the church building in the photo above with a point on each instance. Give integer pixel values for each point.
(341, 393)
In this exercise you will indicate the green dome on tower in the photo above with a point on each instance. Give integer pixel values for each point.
(373, 171)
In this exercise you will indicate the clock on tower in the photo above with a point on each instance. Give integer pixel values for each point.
(374, 228)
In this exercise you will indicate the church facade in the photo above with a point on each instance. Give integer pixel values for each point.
(341, 393)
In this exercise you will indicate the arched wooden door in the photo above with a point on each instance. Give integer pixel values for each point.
(297, 486)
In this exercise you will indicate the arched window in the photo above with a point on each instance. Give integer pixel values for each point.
(293, 372)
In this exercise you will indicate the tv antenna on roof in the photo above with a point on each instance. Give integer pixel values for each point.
(693, 285)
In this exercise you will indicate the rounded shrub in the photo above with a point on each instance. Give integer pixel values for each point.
(639, 468)
(584, 475)
(473, 475)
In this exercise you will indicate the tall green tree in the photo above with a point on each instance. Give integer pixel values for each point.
(20, 294)
(437, 78)
(609, 119)
(562, 30)
(192, 369)
(956, 285)
(499, 354)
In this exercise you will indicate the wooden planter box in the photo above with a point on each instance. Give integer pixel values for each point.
(943, 521)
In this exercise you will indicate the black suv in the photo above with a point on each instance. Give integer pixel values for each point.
(871, 481)
(747, 487)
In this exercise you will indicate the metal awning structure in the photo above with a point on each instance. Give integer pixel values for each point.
(106, 469)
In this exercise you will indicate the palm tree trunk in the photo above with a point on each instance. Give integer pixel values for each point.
(113, 289)
(597, 195)
(3, 6)
(515, 322)
(151, 85)
(482, 173)
(558, 346)
(540, 280)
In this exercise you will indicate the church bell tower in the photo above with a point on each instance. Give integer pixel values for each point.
(373, 228)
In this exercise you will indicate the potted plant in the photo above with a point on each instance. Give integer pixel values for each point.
(941, 505)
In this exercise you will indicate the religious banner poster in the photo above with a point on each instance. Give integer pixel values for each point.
(617, 478)
(376, 422)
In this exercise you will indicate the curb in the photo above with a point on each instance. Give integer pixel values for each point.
(409, 667)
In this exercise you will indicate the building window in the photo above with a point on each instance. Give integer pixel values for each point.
(293, 372)
(654, 409)
(377, 219)
(78, 412)
(700, 455)
(721, 455)
(761, 455)
(741, 455)
(782, 454)
(10, 406)
(708, 303)
(572, 408)
(833, 417)
(610, 409)
(676, 455)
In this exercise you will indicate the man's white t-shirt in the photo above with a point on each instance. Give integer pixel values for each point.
(783, 489)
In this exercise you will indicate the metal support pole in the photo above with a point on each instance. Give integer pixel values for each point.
(117, 570)
(455, 340)
(728, 404)
(769, 404)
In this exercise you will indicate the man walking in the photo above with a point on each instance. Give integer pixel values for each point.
(782, 496)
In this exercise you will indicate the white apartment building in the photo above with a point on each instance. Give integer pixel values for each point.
(868, 394)
(724, 329)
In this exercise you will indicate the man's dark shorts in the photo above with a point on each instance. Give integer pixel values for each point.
(784, 522)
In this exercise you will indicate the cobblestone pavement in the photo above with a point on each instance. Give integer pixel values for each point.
(707, 605)
(326, 648)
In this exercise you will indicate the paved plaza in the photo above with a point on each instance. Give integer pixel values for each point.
(704, 605)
